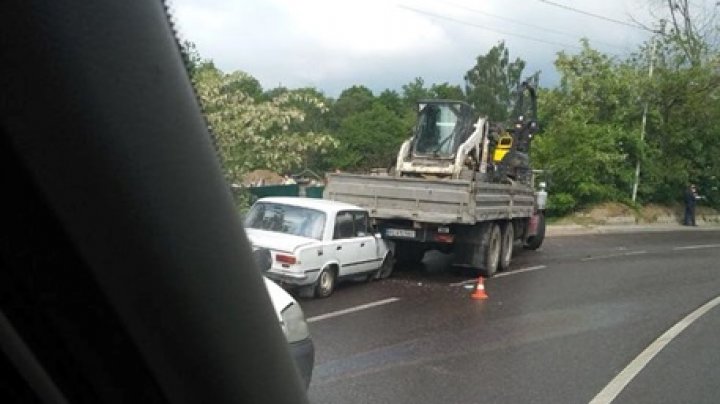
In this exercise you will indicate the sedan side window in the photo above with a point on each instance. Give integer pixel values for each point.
(344, 225)
(361, 224)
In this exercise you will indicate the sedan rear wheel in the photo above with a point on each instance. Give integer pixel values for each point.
(326, 282)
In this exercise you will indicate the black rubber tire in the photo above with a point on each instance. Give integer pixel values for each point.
(325, 284)
(534, 242)
(507, 234)
(409, 253)
(490, 250)
(386, 268)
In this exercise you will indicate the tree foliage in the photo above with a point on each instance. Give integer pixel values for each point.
(590, 122)
(253, 133)
(369, 139)
(490, 84)
(590, 141)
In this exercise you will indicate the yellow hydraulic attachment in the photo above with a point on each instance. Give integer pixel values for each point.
(504, 145)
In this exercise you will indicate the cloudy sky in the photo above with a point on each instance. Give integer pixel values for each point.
(333, 44)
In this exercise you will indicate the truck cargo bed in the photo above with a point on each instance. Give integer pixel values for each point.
(432, 200)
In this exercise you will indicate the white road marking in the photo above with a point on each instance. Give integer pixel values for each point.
(519, 271)
(467, 282)
(627, 254)
(500, 275)
(617, 384)
(696, 247)
(351, 309)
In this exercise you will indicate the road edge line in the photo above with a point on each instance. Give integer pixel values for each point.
(619, 382)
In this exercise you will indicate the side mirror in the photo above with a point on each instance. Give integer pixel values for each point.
(378, 235)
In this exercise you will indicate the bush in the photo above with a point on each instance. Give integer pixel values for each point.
(560, 204)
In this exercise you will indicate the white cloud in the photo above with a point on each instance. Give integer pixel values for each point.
(333, 44)
(371, 27)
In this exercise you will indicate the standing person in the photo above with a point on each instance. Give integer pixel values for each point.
(691, 197)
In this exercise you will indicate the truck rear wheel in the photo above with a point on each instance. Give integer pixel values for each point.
(478, 247)
(534, 242)
(506, 247)
(490, 246)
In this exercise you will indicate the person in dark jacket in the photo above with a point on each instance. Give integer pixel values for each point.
(691, 197)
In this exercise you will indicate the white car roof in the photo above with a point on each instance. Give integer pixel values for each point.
(324, 205)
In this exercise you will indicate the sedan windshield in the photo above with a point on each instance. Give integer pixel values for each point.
(287, 219)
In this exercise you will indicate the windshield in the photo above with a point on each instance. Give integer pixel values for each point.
(288, 219)
(125, 276)
(436, 130)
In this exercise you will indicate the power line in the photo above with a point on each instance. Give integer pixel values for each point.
(524, 24)
(598, 16)
(443, 17)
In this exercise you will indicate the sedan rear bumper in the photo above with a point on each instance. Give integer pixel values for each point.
(293, 278)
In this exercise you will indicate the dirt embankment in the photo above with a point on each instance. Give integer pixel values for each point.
(264, 177)
(612, 213)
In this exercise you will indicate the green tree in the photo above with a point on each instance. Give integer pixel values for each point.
(683, 125)
(415, 91)
(447, 91)
(368, 139)
(590, 141)
(191, 56)
(491, 83)
(256, 134)
(391, 100)
(351, 101)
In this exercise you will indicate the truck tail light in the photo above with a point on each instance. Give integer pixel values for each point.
(286, 259)
(444, 238)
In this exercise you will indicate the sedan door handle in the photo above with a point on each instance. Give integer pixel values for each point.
(362, 244)
(339, 247)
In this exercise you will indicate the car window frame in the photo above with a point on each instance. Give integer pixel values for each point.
(366, 216)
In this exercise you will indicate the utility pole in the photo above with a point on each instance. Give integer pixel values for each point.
(644, 119)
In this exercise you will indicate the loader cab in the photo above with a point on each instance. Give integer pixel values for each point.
(442, 126)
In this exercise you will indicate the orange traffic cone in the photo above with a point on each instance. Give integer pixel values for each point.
(479, 293)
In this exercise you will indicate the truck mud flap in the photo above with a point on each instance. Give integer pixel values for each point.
(468, 246)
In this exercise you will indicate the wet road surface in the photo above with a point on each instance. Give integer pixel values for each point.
(558, 327)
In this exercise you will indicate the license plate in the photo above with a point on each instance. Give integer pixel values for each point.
(400, 233)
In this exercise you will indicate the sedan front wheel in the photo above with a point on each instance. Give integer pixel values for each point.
(386, 268)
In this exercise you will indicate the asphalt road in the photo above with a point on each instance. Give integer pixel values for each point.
(563, 323)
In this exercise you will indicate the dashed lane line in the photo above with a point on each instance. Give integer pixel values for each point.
(598, 257)
(500, 275)
(617, 384)
(695, 247)
(466, 282)
(351, 309)
(626, 254)
(519, 271)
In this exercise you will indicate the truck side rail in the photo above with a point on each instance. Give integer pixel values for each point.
(431, 200)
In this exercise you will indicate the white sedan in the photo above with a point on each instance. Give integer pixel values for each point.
(312, 243)
(294, 326)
